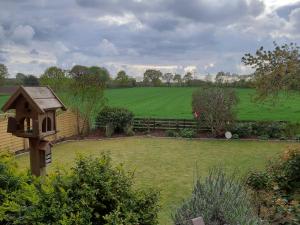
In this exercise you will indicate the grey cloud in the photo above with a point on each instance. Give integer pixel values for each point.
(285, 11)
(23, 34)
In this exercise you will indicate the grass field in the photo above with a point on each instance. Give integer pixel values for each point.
(168, 164)
(163, 102)
(176, 103)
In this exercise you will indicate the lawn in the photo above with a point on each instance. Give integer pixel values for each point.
(163, 102)
(168, 164)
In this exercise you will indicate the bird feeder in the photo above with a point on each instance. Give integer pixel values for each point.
(35, 110)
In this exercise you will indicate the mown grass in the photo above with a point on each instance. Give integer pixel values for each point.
(168, 164)
(163, 102)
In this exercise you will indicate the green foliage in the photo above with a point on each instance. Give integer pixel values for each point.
(152, 77)
(275, 190)
(292, 129)
(235, 136)
(264, 130)
(3, 73)
(118, 118)
(171, 133)
(242, 129)
(177, 78)
(214, 107)
(56, 78)
(219, 199)
(94, 192)
(258, 180)
(31, 81)
(275, 70)
(187, 133)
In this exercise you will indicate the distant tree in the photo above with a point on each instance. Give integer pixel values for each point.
(188, 77)
(177, 78)
(122, 78)
(275, 70)
(54, 77)
(31, 81)
(214, 108)
(168, 77)
(219, 77)
(3, 74)
(152, 77)
(20, 77)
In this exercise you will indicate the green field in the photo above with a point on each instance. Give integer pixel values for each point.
(168, 164)
(3, 99)
(163, 102)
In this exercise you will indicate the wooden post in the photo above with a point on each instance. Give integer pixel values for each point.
(35, 157)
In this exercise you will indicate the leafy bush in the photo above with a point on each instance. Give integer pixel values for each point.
(235, 136)
(264, 137)
(214, 108)
(292, 129)
(118, 118)
(258, 180)
(171, 133)
(220, 199)
(187, 133)
(276, 191)
(94, 192)
(242, 129)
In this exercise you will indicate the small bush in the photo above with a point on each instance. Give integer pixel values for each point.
(235, 136)
(171, 133)
(291, 129)
(242, 129)
(264, 137)
(220, 199)
(187, 133)
(297, 137)
(118, 118)
(258, 180)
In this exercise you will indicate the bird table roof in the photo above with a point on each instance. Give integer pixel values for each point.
(41, 98)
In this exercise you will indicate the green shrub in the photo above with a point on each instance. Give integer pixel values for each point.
(171, 133)
(118, 118)
(291, 129)
(187, 133)
(297, 137)
(275, 191)
(264, 137)
(220, 199)
(258, 180)
(93, 192)
(242, 129)
(235, 136)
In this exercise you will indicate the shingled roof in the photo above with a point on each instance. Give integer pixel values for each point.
(41, 98)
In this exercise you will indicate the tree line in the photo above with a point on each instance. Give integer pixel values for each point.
(151, 78)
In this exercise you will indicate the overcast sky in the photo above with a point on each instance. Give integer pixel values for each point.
(172, 35)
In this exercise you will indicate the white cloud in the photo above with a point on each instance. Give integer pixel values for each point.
(107, 48)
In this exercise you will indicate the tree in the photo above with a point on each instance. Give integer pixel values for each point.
(214, 108)
(86, 92)
(168, 77)
(188, 77)
(3, 74)
(152, 77)
(275, 70)
(20, 77)
(31, 81)
(54, 77)
(122, 78)
(177, 78)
